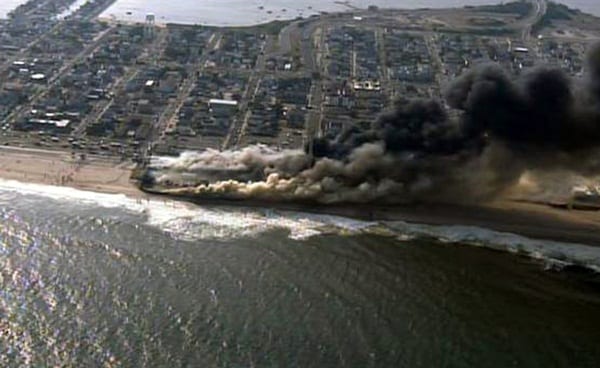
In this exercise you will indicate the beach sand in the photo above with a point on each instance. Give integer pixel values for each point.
(93, 173)
(107, 175)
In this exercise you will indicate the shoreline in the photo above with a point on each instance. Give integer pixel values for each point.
(531, 220)
(111, 176)
(59, 168)
(260, 15)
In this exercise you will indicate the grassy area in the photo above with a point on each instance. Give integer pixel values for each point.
(481, 31)
(486, 22)
(271, 28)
(519, 8)
(555, 12)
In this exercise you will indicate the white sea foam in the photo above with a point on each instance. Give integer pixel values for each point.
(555, 254)
(191, 222)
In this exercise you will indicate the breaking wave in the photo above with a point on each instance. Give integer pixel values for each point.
(556, 255)
(187, 221)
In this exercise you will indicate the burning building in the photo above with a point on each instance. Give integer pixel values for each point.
(417, 151)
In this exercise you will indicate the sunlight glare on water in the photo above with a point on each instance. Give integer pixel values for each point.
(93, 280)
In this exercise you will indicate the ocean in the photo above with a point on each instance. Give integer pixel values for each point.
(248, 12)
(7, 5)
(93, 280)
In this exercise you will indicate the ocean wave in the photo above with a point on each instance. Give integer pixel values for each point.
(554, 254)
(187, 221)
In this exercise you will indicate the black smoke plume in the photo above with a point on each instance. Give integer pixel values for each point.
(493, 129)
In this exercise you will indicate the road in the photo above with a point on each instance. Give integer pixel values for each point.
(169, 114)
(315, 113)
(149, 53)
(540, 7)
(52, 31)
(307, 50)
(22, 110)
(25, 51)
(285, 38)
(237, 131)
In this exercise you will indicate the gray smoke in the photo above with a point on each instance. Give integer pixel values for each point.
(420, 151)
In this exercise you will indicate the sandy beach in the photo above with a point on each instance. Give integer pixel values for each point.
(108, 175)
(93, 173)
